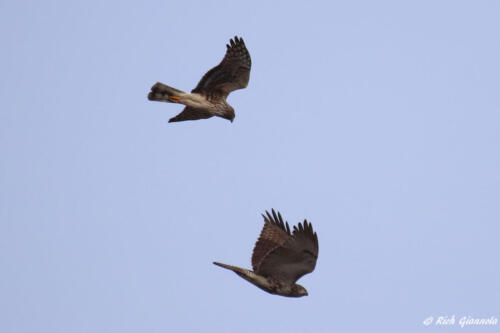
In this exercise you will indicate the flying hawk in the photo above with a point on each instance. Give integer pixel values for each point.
(280, 257)
(208, 99)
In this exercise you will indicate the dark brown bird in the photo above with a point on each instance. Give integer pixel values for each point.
(208, 99)
(280, 257)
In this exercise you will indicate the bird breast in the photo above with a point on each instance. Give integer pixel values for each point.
(197, 101)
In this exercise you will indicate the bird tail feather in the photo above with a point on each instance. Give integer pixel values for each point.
(163, 93)
(232, 268)
(245, 273)
(248, 275)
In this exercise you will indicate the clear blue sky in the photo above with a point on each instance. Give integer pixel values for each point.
(378, 121)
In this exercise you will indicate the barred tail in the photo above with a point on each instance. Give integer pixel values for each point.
(163, 93)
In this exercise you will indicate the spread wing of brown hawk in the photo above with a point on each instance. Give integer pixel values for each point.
(281, 257)
(208, 99)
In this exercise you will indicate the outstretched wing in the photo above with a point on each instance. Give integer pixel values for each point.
(189, 113)
(274, 234)
(231, 74)
(295, 258)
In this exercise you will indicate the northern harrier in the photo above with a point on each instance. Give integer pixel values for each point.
(280, 258)
(208, 99)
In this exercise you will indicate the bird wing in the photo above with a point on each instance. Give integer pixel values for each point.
(189, 113)
(295, 258)
(231, 74)
(274, 234)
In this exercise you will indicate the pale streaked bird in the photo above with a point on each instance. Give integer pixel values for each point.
(208, 99)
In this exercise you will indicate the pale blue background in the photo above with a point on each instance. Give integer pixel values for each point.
(379, 121)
